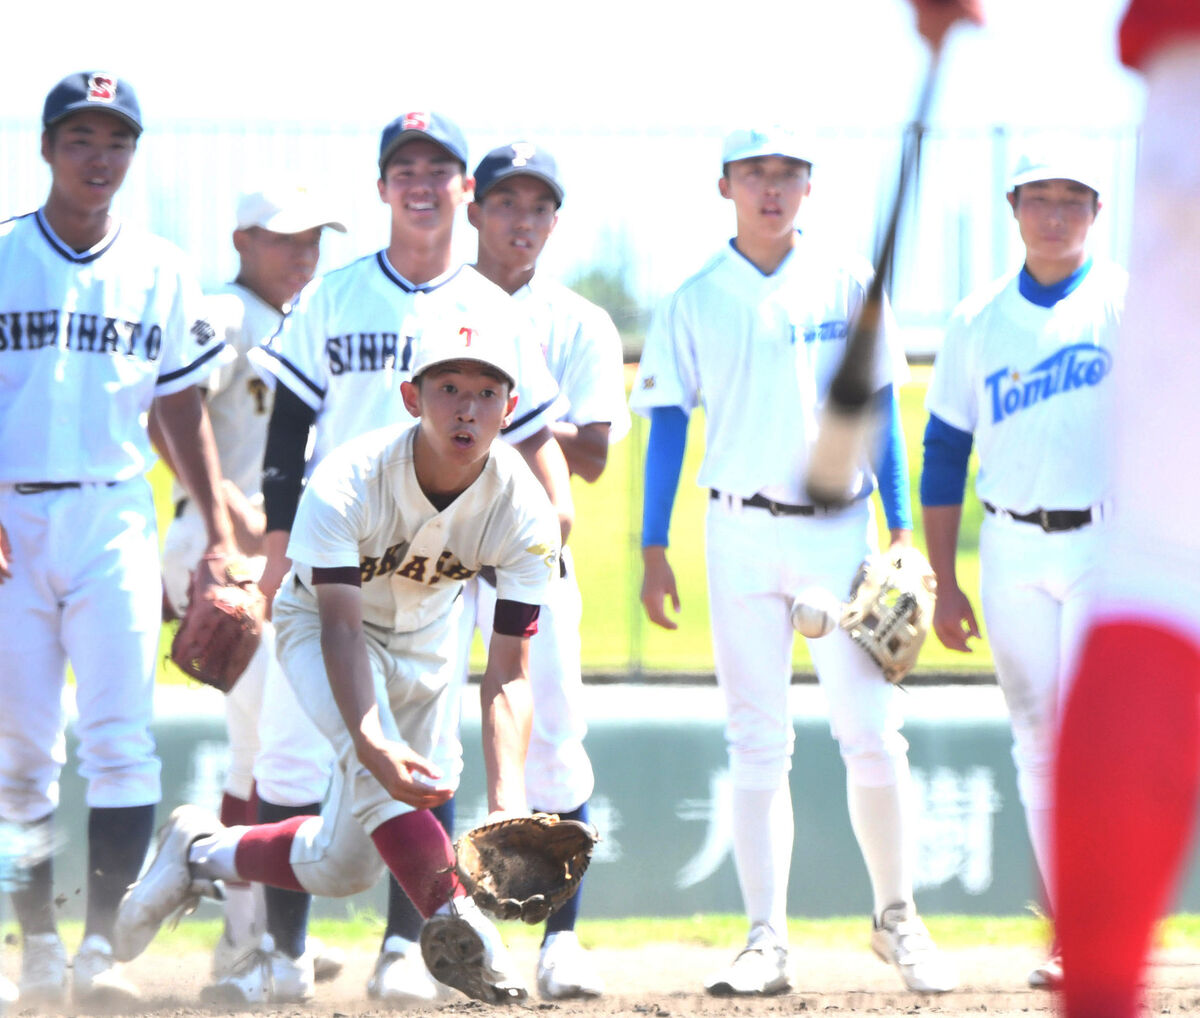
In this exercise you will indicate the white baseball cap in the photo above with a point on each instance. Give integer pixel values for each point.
(284, 209)
(1058, 163)
(750, 142)
(455, 339)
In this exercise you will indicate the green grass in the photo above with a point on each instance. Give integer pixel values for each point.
(606, 544)
(953, 932)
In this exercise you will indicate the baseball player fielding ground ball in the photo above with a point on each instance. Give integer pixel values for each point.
(389, 528)
(1025, 370)
(379, 308)
(278, 241)
(764, 324)
(98, 322)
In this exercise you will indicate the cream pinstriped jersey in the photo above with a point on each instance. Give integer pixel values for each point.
(364, 508)
(87, 341)
(239, 401)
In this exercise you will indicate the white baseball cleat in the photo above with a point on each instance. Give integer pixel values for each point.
(99, 978)
(760, 969)
(167, 887)
(264, 976)
(1048, 975)
(401, 978)
(565, 970)
(43, 969)
(462, 948)
(900, 938)
(328, 962)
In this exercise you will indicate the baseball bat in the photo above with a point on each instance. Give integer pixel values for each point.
(846, 418)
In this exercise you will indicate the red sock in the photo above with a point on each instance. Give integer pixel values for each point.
(263, 851)
(1126, 784)
(236, 812)
(418, 852)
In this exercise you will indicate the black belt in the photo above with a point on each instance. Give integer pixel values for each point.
(37, 487)
(779, 508)
(1050, 520)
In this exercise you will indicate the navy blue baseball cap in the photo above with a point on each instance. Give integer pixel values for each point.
(434, 126)
(521, 157)
(92, 90)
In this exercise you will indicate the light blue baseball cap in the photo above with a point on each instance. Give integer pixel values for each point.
(774, 140)
(1058, 162)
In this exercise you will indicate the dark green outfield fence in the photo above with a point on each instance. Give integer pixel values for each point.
(662, 804)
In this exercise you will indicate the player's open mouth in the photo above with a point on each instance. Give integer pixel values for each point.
(462, 439)
(420, 206)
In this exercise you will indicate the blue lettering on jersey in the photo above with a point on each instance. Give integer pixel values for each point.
(1072, 367)
(85, 333)
(825, 332)
(367, 351)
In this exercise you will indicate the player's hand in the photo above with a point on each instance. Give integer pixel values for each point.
(900, 538)
(954, 619)
(936, 17)
(5, 555)
(405, 775)
(658, 585)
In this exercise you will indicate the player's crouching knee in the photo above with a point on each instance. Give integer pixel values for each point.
(338, 870)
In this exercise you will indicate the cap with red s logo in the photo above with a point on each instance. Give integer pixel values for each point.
(87, 90)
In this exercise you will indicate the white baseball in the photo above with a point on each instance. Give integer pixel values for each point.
(815, 612)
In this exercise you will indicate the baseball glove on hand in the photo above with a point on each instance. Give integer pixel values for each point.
(525, 867)
(221, 628)
(890, 608)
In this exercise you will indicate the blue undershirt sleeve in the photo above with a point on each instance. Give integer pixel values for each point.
(891, 463)
(664, 462)
(947, 453)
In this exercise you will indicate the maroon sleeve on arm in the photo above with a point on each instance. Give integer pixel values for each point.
(515, 618)
(349, 575)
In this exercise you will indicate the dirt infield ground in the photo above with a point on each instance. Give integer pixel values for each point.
(662, 980)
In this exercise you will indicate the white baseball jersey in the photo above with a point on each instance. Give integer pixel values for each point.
(364, 508)
(349, 343)
(760, 352)
(87, 341)
(239, 401)
(1030, 383)
(582, 351)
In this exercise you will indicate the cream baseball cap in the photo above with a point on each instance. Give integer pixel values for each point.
(459, 340)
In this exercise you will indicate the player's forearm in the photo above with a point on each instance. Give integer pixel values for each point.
(585, 449)
(348, 668)
(507, 720)
(185, 427)
(159, 440)
(942, 524)
(544, 457)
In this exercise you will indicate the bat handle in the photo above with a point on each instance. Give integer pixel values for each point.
(836, 456)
